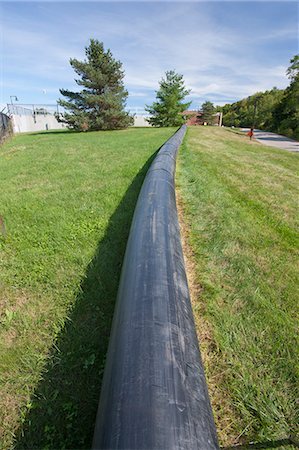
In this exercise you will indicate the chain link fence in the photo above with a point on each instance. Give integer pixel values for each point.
(5, 127)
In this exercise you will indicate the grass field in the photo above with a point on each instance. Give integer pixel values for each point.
(239, 207)
(67, 201)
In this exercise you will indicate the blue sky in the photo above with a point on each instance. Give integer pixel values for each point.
(225, 50)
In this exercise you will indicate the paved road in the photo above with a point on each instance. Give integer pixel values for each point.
(275, 140)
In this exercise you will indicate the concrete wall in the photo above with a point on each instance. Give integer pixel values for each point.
(140, 121)
(38, 122)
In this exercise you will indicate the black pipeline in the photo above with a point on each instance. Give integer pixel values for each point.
(154, 393)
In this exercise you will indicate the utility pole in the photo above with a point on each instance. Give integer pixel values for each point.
(220, 119)
(256, 100)
(15, 97)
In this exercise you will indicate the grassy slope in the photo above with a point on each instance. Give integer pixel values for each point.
(240, 203)
(67, 200)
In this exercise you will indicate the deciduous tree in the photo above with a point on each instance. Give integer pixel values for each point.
(275, 110)
(286, 113)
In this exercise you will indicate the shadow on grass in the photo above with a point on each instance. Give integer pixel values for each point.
(70, 131)
(66, 401)
(59, 131)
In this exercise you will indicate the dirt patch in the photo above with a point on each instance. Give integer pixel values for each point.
(9, 417)
(9, 337)
(13, 301)
(19, 148)
(224, 413)
(14, 305)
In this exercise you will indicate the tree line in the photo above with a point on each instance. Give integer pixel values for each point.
(100, 104)
(274, 110)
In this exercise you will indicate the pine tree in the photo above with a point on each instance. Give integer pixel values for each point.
(208, 111)
(100, 104)
(168, 110)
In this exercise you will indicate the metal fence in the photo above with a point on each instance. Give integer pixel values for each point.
(27, 109)
(138, 111)
(5, 126)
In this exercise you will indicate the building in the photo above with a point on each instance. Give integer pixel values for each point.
(141, 121)
(196, 118)
(26, 118)
(33, 118)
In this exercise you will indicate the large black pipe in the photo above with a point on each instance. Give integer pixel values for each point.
(154, 392)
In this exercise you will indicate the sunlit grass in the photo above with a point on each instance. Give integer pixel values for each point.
(240, 205)
(66, 200)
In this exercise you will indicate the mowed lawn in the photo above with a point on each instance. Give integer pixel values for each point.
(239, 201)
(67, 201)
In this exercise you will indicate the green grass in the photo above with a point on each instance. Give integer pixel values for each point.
(67, 201)
(240, 204)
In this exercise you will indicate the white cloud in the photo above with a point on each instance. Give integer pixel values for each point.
(185, 37)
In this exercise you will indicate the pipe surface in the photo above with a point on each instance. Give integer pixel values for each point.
(154, 393)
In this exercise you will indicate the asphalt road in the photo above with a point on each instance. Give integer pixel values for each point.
(275, 140)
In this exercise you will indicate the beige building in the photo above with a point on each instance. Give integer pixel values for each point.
(33, 118)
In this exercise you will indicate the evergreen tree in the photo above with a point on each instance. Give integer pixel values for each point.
(100, 104)
(208, 111)
(168, 110)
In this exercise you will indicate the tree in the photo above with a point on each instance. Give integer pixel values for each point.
(208, 111)
(286, 113)
(100, 104)
(293, 69)
(275, 110)
(168, 110)
(256, 109)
